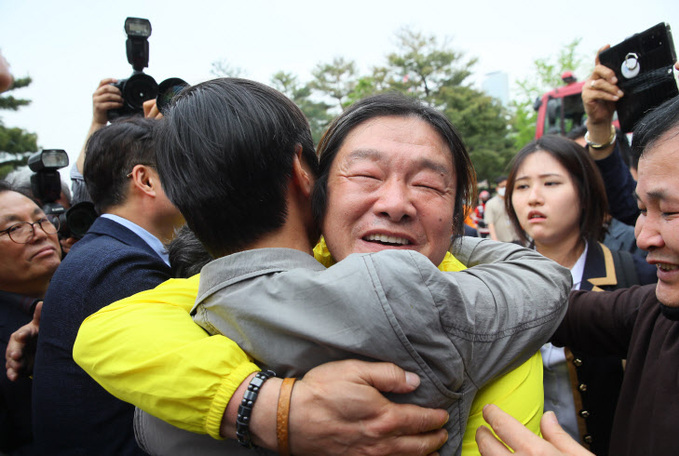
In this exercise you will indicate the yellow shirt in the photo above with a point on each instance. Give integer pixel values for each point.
(177, 372)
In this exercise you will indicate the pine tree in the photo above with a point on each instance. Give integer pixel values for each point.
(16, 145)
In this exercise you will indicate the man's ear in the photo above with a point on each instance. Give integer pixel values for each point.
(300, 173)
(145, 179)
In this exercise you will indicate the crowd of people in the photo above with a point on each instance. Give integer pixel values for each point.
(242, 289)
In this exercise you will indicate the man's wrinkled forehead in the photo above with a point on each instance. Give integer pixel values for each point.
(435, 135)
(9, 202)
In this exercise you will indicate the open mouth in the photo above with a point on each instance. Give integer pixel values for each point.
(386, 240)
(667, 267)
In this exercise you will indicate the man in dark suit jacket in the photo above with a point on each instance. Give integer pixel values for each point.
(121, 254)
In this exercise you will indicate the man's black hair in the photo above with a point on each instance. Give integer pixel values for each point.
(398, 105)
(654, 125)
(625, 149)
(225, 154)
(5, 186)
(110, 155)
(187, 254)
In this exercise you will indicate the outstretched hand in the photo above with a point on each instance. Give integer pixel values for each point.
(20, 351)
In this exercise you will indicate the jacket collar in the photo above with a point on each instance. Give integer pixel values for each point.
(599, 268)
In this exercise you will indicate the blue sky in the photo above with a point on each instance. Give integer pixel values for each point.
(68, 46)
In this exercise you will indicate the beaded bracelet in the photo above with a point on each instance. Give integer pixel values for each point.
(246, 405)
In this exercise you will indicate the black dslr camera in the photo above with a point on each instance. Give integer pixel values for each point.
(140, 87)
(46, 187)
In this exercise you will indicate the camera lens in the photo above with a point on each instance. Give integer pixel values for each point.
(139, 88)
(80, 217)
(167, 91)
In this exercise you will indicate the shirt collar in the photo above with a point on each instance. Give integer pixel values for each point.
(150, 239)
(578, 268)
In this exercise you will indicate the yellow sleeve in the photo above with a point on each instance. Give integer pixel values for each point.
(519, 393)
(147, 350)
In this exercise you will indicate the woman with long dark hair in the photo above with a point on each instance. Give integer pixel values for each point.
(557, 202)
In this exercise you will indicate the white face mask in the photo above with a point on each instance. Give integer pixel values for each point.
(501, 191)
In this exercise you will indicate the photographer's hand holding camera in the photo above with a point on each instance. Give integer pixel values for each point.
(135, 95)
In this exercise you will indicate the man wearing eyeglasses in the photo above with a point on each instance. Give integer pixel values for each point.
(29, 253)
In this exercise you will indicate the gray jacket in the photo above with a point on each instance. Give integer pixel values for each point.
(456, 330)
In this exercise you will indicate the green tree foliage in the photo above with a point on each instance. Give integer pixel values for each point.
(369, 85)
(11, 103)
(15, 144)
(422, 67)
(523, 122)
(482, 123)
(335, 80)
(317, 112)
(546, 75)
